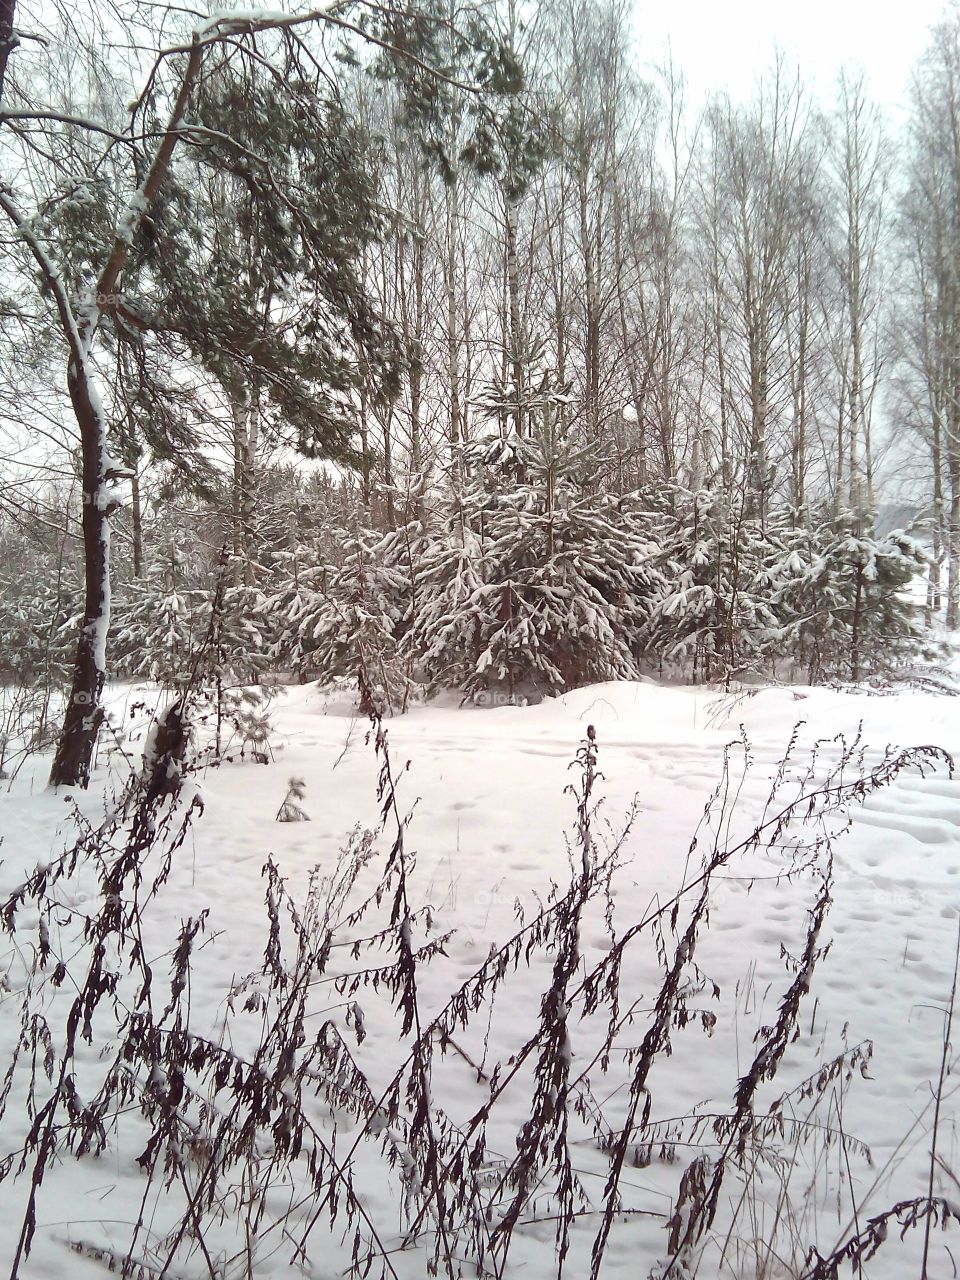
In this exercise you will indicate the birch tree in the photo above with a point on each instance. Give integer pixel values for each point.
(931, 233)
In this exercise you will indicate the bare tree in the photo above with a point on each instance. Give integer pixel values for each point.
(860, 162)
(930, 219)
(753, 221)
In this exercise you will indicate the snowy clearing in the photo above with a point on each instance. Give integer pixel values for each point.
(492, 831)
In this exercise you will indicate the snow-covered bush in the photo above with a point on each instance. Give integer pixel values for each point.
(158, 629)
(167, 630)
(39, 618)
(715, 617)
(550, 585)
(844, 602)
(41, 601)
(339, 619)
(447, 628)
(539, 601)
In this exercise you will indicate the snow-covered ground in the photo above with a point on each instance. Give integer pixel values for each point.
(493, 830)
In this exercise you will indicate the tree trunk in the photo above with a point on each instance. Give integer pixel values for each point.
(855, 629)
(841, 442)
(757, 460)
(388, 468)
(136, 516)
(453, 349)
(237, 496)
(250, 489)
(799, 376)
(591, 318)
(8, 41)
(953, 548)
(84, 713)
(938, 518)
(413, 333)
(246, 433)
(366, 488)
(853, 465)
(517, 343)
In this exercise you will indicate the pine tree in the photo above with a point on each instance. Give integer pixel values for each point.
(715, 614)
(845, 601)
(172, 627)
(346, 619)
(243, 107)
(554, 581)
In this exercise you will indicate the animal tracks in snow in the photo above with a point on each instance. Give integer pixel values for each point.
(922, 819)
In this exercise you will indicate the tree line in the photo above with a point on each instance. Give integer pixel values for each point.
(585, 370)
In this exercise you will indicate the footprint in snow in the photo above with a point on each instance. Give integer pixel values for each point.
(928, 830)
(864, 916)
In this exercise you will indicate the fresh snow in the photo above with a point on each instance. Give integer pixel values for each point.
(229, 20)
(491, 830)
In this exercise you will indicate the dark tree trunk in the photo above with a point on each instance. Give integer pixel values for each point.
(855, 629)
(388, 468)
(136, 515)
(8, 41)
(84, 713)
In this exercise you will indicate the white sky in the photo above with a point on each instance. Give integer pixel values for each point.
(728, 43)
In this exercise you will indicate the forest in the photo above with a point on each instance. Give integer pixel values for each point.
(457, 345)
(479, 603)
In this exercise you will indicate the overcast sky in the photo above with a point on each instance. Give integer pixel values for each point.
(727, 43)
